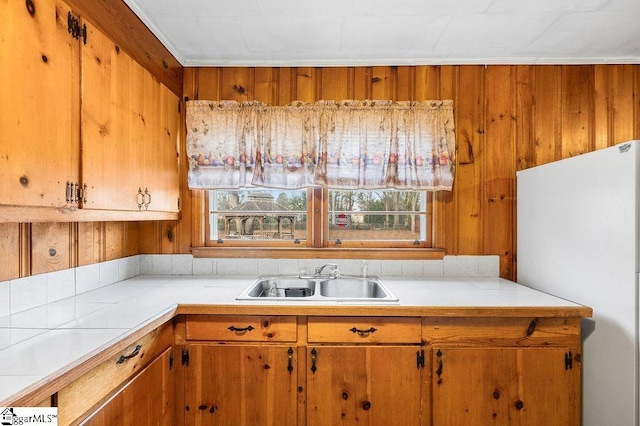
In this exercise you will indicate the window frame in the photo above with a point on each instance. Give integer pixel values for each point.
(318, 230)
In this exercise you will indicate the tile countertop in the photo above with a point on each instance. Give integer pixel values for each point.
(43, 343)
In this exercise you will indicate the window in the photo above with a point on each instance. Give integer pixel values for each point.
(318, 218)
(258, 215)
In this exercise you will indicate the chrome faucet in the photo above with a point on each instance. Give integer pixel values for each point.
(335, 273)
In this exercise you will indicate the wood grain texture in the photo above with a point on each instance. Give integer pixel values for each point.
(9, 251)
(82, 395)
(246, 385)
(508, 118)
(39, 123)
(149, 398)
(117, 21)
(370, 330)
(504, 386)
(369, 385)
(252, 328)
(50, 247)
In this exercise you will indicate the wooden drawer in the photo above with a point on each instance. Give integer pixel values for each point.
(364, 330)
(78, 399)
(520, 332)
(242, 328)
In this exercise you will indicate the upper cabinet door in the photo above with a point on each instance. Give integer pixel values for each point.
(39, 103)
(130, 129)
(160, 160)
(112, 119)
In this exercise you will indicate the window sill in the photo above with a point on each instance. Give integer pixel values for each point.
(319, 253)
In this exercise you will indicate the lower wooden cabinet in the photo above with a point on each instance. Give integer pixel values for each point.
(148, 399)
(250, 370)
(240, 385)
(371, 385)
(83, 396)
(505, 386)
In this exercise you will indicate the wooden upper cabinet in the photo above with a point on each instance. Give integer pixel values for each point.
(130, 131)
(39, 105)
(161, 161)
(77, 112)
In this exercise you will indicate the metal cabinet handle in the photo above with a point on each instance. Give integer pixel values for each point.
(363, 332)
(140, 199)
(147, 196)
(314, 359)
(440, 363)
(135, 352)
(290, 360)
(240, 330)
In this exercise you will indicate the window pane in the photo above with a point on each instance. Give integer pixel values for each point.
(377, 215)
(258, 214)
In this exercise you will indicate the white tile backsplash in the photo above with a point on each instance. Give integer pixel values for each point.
(60, 285)
(181, 264)
(488, 266)
(412, 268)
(87, 278)
(146, 264)
(275, 266)
(391, 267)
(25, 293)
(128, 267)
(108, 272)
(204, 266)
(5, 298)
(433, 268)
(28, 292)
(228, 267)
(161, 264)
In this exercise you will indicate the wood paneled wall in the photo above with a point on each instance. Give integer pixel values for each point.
(35, 248)
(508, 118)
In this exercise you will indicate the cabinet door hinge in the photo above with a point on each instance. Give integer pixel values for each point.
(76, 194)
(185, 357)
(568, 360)
(170, 361)
(75, 29)
(420, 359)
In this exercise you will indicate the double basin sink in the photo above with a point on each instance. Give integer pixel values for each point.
(342, 288)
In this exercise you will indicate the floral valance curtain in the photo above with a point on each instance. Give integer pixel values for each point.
(341, 145)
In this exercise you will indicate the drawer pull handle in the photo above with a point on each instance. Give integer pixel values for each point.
(135, 352)
(363, 332)
(240, 330)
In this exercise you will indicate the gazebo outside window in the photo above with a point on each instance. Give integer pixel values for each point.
(248, 220)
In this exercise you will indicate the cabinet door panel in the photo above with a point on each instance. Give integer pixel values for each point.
(39, 123)
(147, 400)
(161, 154)
(111, 121)
(240, 385)
(363, 385)
(505, 386)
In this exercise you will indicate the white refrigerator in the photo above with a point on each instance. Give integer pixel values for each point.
(578, 238)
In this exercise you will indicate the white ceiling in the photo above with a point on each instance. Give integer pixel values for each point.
(394, 32)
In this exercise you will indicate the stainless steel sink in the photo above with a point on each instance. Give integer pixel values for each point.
(343, 288)
(286, 287)
(353, 288)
